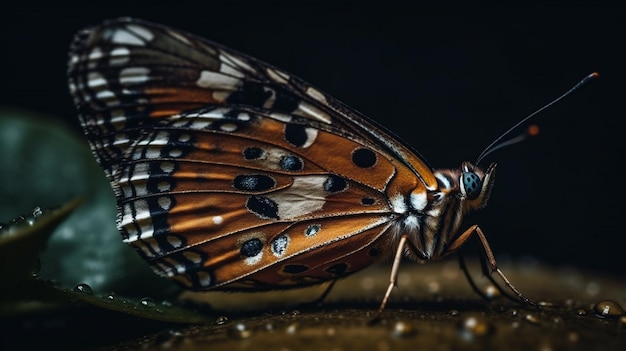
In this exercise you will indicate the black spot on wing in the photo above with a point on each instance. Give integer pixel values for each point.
(253, 153)
(262, 206)
(368, 201)
(258, 94)
(364, 158)
(251, 247)
(285, 102)
(252, 94)
(254, 182)
(291, 163)
(295, 268)
(295, 134)
(334, 184)
(312, 230)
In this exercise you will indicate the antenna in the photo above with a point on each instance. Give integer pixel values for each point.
(497, 144)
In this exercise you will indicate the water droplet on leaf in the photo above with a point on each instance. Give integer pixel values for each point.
(147, 302)
(221, 320)
(608, 309)
(83, 288)
(37, 211)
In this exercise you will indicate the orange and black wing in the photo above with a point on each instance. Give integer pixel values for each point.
(229, 172)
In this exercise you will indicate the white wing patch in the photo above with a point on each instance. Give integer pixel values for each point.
(305, 196)
(214, 80)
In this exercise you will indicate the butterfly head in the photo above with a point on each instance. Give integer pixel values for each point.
(469, 184)
(459, 191)
(475, 184)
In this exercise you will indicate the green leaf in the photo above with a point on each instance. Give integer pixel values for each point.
(46, 163)
(24, 239)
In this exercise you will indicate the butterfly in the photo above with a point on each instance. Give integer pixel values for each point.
(231, 174)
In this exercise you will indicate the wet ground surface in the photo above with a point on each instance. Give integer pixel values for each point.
(432, 309)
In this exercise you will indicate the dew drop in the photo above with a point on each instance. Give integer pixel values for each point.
(147, 302)
(608, 309)
(37, 211)
(17, 220)
(454, 313)
(83, 288)
(111, 297)
(221, 320)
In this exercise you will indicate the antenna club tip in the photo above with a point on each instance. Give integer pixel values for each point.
(586, 80)
(533, 130)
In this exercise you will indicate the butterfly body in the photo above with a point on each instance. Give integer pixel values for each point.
(232, 174)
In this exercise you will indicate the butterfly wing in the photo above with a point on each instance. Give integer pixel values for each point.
(230, 173)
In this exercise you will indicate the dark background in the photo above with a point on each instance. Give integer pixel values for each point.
(447, 80)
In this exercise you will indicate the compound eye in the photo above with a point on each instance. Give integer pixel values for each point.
(472, 184)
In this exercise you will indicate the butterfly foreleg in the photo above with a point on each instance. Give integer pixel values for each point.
(489, 267)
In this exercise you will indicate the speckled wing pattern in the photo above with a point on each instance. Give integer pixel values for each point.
(230, 173)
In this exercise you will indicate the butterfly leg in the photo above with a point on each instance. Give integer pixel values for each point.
(468, 276)
(393, 278)
(322, 297)
(492, 265)
(486, 272)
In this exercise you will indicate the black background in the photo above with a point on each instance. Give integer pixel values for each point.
(447, 80)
